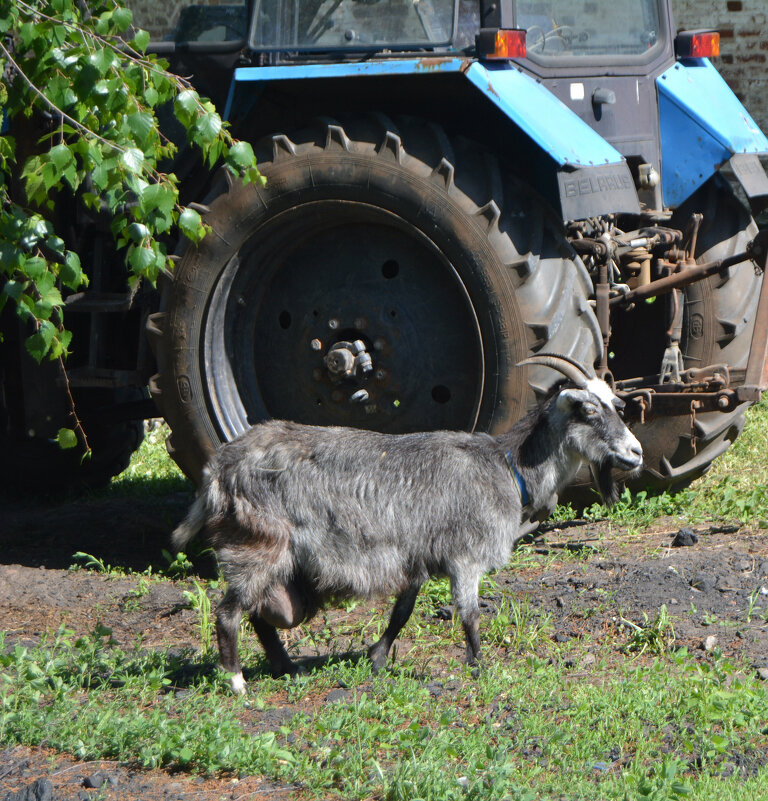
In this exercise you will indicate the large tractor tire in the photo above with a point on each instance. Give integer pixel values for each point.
(411, 247)
(718, 321)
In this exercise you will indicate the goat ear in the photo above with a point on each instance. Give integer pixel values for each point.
(571, 398)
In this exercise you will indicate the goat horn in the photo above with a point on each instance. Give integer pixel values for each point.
(568, 367)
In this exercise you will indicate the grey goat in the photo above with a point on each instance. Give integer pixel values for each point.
(300, 515)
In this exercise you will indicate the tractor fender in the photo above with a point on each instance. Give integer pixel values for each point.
(704, 127)
(574, 168)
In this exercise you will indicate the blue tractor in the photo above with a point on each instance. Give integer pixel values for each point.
(451, 186)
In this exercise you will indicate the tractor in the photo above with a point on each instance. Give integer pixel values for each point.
(451, 187)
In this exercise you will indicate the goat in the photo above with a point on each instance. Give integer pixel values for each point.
(299, 515)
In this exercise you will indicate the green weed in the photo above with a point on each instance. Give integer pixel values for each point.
(90, 562)
(655, 636)
(179, 565)
(518, 625)
(199, 601)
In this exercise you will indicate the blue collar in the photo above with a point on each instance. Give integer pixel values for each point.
(519, 480)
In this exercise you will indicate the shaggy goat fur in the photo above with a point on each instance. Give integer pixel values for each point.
(300, 515)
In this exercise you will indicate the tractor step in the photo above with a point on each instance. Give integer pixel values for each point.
(98, 302)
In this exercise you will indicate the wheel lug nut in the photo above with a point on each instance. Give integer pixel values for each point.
(316, 344)
(360, 323)
(333, 323)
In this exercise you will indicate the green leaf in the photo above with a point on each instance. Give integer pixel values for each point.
(39, 343)
(86, 80)
(241, 155)
(61, 156)
(122, 17)
(186, 755)
(209, 127)
(66, 438)
(157, 197)
(140, 42)
(140, 258)
(138, 232)
(35, 268)
(151, 96)
(185, 106)
(14, 289)
(104, 23)
(103, 59)
(71, 272)
(64, 162)
(191, 225)
(132, 159)
(141, 124)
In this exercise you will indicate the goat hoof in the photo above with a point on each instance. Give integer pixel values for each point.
(378, 660)
(237, 682)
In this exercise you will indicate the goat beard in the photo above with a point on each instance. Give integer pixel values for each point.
(606, 483)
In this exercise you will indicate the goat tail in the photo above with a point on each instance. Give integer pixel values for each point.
(199, 513)
(191, 524)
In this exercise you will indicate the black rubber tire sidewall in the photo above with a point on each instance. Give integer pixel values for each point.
(496, 273)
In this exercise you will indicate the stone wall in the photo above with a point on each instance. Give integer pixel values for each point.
(743, 26)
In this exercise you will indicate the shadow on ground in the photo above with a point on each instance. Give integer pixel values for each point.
(126, 530)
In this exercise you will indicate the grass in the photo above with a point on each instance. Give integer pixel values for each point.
(650, 723)
(151, 471)
(523, 729)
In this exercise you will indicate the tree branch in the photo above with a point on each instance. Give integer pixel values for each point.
(87, 131)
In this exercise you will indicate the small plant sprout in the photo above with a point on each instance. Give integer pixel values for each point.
(752, 608)
(654, 637)
(90, 562)
(179, 566)
(199, 601)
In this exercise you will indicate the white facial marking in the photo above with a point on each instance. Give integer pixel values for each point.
(238, 683)
(601, 390)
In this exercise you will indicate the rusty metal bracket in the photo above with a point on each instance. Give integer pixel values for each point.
(756, 252)
(695, 406)
(642, 405)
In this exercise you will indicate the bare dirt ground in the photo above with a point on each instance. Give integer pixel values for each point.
(716, 591)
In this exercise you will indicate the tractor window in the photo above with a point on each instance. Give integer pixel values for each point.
(184, 21)
(351, 24)
(560, 29)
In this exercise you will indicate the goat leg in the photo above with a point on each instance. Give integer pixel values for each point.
(280, 664)
(464, 591)
(228, 617)
(470, 624)
(401, 611)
